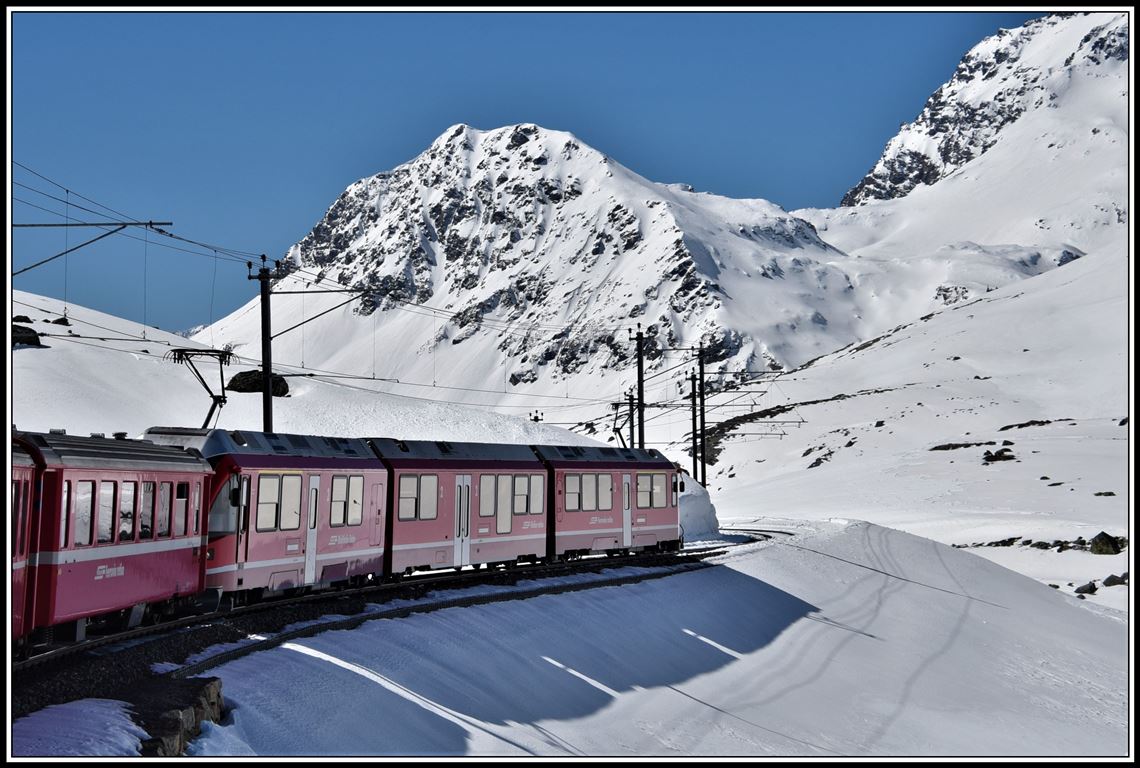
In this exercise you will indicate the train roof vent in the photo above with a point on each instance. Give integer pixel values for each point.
(97, 434)
(120, 435)
(238, 437)
(299, 441)
(608, 451)
(57, 431)
(275, 443)
(629, 454)
(566, 451)
(444, 447)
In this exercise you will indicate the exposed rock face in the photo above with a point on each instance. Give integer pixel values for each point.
(22, 334)
(524, 227)
(996, 82)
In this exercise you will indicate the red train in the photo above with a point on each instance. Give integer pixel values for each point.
(116, 529)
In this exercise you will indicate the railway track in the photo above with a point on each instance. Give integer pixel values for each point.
(410, 588)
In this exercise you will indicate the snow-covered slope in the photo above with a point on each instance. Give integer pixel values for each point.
(100, 374)
(1054, 349)
(1052, 185)
(843, 640)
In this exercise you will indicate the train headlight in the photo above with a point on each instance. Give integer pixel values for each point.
(210, 553)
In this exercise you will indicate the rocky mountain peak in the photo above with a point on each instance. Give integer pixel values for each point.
(995, 83)
(531, 227)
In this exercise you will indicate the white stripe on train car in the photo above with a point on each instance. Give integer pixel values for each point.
(584, 531)
(256, 564)
(375, 551)
(671, 527)
(103, 551)
(444, 543)
(520, 537)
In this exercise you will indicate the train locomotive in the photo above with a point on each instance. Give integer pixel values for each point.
(124, 531)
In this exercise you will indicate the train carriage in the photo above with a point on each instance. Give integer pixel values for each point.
(612, 500)
(289, 511)
(24, 488)
(459, 504)
(119, 531)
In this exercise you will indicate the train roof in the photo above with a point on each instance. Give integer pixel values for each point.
(216, 442)
(442, 450)
(21, 457)
(95, 452)
(573, 454)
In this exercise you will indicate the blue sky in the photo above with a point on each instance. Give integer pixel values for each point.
(242, 128)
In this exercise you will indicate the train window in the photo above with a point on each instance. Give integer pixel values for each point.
(268, 497)
(589, 493)
(659, 498)
(429, 496)
(181, 507)
(605, 491)
(223, 512)
(197, 505)
(146, 511)
(84, 506)
(644, 490)
(355, 499)
(290, 502)
(17, 514)
(106, 527)
(625, 492)
(573, 493)
(338, 501)
(487, 496)
(313, 507)
(503, 505)
(25, 488)
(64, 517)
(522, 494)
(127, 511)
(162, 512)
(409, 495)
(536, 494)
(675, 483)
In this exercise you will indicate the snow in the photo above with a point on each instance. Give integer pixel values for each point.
(77, 728)
(847, 639)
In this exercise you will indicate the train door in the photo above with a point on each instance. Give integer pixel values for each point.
(311, 530)
(626, 512)
(242, 554)
(463, 519)
(376, 531)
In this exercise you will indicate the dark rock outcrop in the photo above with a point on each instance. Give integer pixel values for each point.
(250, 381)
(1103, 544)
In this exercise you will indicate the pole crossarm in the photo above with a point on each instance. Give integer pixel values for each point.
(119, 226)
(69, 250)
(100, 224)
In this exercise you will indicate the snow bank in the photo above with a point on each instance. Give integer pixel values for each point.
(698, 513)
